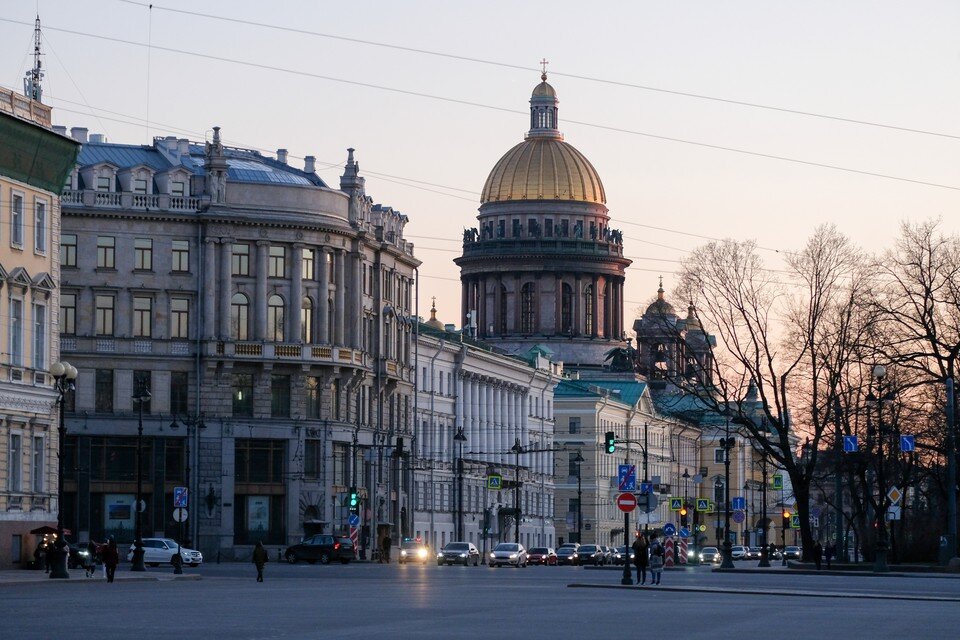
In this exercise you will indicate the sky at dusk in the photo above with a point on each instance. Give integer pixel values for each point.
(890, 63)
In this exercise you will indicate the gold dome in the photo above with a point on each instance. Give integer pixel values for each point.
(543, 169)
(433, 323)
(544, 90)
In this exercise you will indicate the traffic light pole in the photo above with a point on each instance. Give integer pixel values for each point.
(765, 549)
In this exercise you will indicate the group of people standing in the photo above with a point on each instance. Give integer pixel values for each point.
(648, 553)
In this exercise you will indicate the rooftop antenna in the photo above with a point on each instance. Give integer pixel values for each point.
(31, 83)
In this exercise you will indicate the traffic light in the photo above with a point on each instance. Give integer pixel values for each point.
(610, 439)
(683, 516)
(786, 519)
(354, 500)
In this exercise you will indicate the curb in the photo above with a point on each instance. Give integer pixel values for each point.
(769, 592)
(100, 580)
(839, 572)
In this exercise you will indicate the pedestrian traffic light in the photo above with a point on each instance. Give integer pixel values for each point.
(610, 439)
(354, 499)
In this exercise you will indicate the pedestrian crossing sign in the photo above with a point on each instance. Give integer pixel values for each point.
(494, 482)
(778, 481)
(676, 504)
(795, 521)
(703, 504)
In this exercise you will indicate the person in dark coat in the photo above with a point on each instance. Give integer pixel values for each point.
(641, 557)
(385, 550)
(818, 554)
(259, 559)
(90, 562)
(111, 558)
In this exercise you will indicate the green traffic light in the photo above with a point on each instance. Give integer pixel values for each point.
(610, 439)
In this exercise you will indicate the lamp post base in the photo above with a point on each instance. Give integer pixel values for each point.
(880, 561)
(137, 562)
(727, 556)
(764, 558)
(58, 566)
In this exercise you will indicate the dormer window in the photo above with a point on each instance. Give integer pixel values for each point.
(103, 184)
(178, 188)
(139, 186)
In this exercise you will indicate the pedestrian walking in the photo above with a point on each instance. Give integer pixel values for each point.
(818, 554)
(657, 552)
(259, 559)
(90, 562)
(111, 558)
(385, 550)
(641, 557)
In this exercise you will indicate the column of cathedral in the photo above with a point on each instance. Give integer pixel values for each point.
(578, 310)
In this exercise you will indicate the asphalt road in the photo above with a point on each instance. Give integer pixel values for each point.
(373, 601)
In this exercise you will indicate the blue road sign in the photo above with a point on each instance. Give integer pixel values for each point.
(354, 520)
(627, 477)
(907, 444)
(180, 497)
(739, 503)
(646, 487)
(850, 444)
(669, 529)
(684, 532)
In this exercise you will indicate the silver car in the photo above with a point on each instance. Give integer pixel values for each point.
(508, 553)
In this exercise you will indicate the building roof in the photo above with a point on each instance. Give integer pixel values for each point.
(628, 391)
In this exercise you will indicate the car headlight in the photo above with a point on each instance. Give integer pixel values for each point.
(463, 555)
(422, 553)
(402, 553)
(83, 553)
(440, 555)
(492, 555)
(513, 556)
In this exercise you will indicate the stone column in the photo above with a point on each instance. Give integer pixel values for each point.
(558, 311)
(296, 294)
(475, 415)
(464, 301)
(465, 409)
(338, 301)
(323, 302)
(482, 417)
(226, 286)
(578, 307)
(210, 288)
(356, 302)
(596, 307)
(515, 325)
(260, 303)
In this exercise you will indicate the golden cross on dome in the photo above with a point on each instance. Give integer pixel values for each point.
(434, 302)
(543, 65)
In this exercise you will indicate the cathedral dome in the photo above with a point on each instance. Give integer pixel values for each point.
(660, 307)
(543, 166)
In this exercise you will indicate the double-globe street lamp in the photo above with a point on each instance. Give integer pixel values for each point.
(64, 375)
(882, 397)
(142, 395)
(727, 443)
(460, 438)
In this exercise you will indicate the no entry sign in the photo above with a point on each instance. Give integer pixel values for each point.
(626, 502)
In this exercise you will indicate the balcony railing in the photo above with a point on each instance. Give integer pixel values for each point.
(560, 246)
(127, 200)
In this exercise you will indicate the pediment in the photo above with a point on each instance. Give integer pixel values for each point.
(44, 281)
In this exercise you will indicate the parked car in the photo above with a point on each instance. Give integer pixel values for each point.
(567, 554)
(738, 552)
(157, 551)
(508, 553)
(542, 555)
(590, 554)
(323, 548)
(413, 551)
(464, 553)
(710, 555)
(792, 553)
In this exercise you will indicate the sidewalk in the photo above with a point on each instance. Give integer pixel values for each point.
(802, 568)
(22, 577)
(771, 592)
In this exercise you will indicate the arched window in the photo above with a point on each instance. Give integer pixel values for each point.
(502, 318)
(306, 320)
(588, 311)
(566, 308)
(275, 318)
(239, 317)
(528, 314)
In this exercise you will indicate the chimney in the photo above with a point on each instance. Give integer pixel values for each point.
(97, 138)
(310, 164)
(183, 147)
(282, 156)
(79, 134)
(59, 128)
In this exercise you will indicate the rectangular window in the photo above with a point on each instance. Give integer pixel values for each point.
(177, 189)
(240, 260)
(68, 250)
(143, 254)
(14, 463)
(312, 458)
(181, 256)
(718, 456)
(139, 186)
(37, 467)
(142, 384)
(574, 425)
(179, 318)
(259, 461)
(175, 460)
(280, 396)
(548, 227)
(40, 227)
(68, 314)
(306, 266)
(106, 252)
(242, 395)
(104, 391)
(16, 332)
(314, 398)
(573, 467)
(340, 463)
(277, 262)
(103, 184)
(39, 337)
(16, 220)
(142, 317)
(179, 392)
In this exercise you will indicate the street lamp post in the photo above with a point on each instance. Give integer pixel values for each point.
(686, 479)
(64, 375)
(194, 425)
(747, 511)
(460, 439)
(765, 549)
(142, 395)
(517, 449)
(880, 560)
(727, 443)
(579, 461)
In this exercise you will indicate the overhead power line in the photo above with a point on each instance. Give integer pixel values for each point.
(480, 105)
(506, 65)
